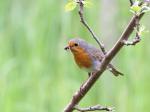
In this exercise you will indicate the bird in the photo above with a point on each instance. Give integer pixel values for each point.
(88, 57)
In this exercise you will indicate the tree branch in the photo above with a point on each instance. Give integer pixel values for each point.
(137, 38)
(83, 21)
(85, 87)
(106, 60)
(94, 108)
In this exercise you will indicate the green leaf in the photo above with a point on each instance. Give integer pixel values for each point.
(88, 3)
(135, 8)
(71, 5)
(145, 9)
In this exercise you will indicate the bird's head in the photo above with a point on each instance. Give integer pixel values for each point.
(76, 45)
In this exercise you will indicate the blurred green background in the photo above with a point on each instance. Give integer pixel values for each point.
(37, 75)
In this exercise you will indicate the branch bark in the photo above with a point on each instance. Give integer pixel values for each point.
(137, 38)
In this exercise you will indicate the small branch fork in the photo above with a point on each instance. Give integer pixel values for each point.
(137, 38)
(101, 45)
(94, 108)
(85, 87)
(133, 42)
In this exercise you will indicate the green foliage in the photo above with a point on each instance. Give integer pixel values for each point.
(71, 5)
(136, 9)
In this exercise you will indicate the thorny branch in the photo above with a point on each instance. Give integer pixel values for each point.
(85, 87)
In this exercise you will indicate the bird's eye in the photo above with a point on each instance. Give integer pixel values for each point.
(75, 44)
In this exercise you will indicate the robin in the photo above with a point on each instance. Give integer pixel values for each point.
(87, 56)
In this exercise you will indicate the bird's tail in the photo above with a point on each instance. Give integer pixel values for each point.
(114, 70)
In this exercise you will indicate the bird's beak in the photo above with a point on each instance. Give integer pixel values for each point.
(67, 48)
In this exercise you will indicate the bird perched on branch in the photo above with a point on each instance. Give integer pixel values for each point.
(87, 56)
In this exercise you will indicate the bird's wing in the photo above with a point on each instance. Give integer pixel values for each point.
(95, 53)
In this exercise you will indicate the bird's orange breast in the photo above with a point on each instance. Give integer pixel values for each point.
(82, 58)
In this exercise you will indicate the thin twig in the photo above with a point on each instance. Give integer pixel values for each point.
(133, 42)
(94, 108)
(83, 21)
(131, 2)
(137, 38)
